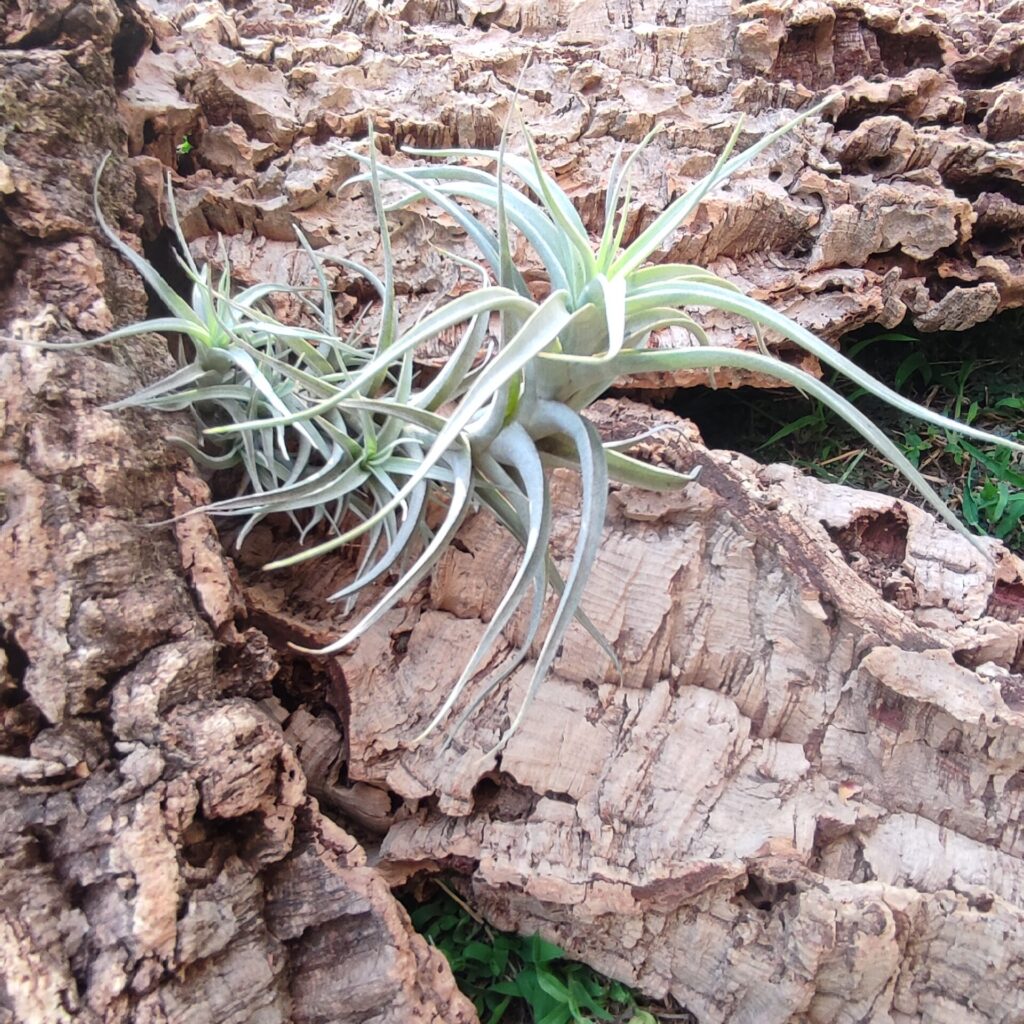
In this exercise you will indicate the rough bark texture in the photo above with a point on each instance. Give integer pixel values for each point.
(163, 856)
(801, 802)
(804, 801)
(906, 199)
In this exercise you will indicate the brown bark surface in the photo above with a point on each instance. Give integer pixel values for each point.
(163, 857)
(800, 803)
(905, 199)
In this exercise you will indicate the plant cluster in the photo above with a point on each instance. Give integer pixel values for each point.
(520, 978)
(342, 434)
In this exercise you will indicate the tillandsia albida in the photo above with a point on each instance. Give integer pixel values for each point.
(320, 420)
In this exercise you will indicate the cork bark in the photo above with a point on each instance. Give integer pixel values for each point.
(801, 800)
(901, 202)
(164, 856)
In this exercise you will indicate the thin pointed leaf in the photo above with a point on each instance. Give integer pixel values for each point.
(640, 362)
(460, 495)
(167, 295)
(555, 418)
(758, 312)
(454, 312)
(671, 218)
(514, 448)
(536, 334)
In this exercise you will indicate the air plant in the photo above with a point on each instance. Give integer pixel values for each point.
(487, 429)
(242, 367)
(520, 414)
(237, 363)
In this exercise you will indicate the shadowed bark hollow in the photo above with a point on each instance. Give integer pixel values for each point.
(800, 802)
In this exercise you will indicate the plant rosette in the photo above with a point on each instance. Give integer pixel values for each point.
(345, 436)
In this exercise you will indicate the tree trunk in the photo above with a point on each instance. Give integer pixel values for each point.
(799, 803)
(163, 856)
